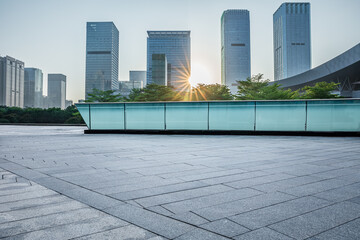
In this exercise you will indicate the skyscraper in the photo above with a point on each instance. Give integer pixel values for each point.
(33, 88)
(176, 47)
(235, 47)
(292, 42)
(11, 82)
(102, 56)
(137, 78)
(57, 90)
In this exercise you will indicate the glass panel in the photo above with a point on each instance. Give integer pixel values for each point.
(141, 116)
(107, 116)
(84, 112)
(280, 116)
(339, 115)
(232, 116)
(187, 116)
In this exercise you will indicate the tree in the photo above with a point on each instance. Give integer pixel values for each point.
(256, 88)
(154, 92)
(320, 90)
(104, 96)
(210, 92)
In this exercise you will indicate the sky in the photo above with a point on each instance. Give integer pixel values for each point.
(51, 34)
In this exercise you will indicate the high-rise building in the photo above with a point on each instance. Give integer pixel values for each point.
(102, 57)
(292, 41)
(235, 47)
(56, 90)
(137, 78)
(176, 47)
(11, 82)
(159, 69)
(33, 88)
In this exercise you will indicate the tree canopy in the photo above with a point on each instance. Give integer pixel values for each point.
(320, 90)
(154, 92)
(204, 92)
(104, 96)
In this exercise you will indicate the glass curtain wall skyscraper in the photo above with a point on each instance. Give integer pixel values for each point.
(235, 47)
(11, 82)
(176, 47)
(57, 90)
(292, 41)
(33, 88)
(102, 56)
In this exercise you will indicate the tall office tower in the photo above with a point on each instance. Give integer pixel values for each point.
(137, 78)
(33, 88)
(159, 69)
(102, 57)
(235, 47)
(292, 42)
(11, 82)
(176, 47)
(57, 90)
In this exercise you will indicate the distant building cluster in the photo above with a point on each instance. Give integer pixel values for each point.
(169, 55)
(23, 87)
(168, 59)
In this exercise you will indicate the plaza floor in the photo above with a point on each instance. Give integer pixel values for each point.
(58, 183)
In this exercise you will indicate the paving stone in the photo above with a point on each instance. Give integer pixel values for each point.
(127, 232)
(243, 205)
(258, 180)
(158, 190)
(347, 231)
(341, 194)
(47, 221)
(75, 229)
(225, 227)
(279, 212)
(153, 222)
(200, 234)
(33, 202)
(318, 221)
(263, 234)
(190, 218)
(55, 184)
(210, 200)
(26, 195)
(181, 195)
(39, 211)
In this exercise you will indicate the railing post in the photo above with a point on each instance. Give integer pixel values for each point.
(164, 115)
(208, 117)
(306, 114)
(124, 116)
(254, 115)
(89, 117)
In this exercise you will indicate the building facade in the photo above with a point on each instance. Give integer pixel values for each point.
(292, 40)
(176, 47)
(102, 57)
(159, 69)
(33, 88)
(11, 82)
(137, 78)
(56, 91)
(235, 47)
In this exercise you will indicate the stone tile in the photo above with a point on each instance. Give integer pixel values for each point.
(225, 227)
(47, 221)
(200, 234)
(75, 229)
(158, 190)
(263, 234)
(26, 195)
(243, 205)
(210, 200)
(127, 232)
(278, 212)
(55, 184)
(341, 194)
(259, 180)
(150, 221)
(181, 195)
(347, 231)
(190, 218)
(91, 198)
(318, 221)
(39, 211)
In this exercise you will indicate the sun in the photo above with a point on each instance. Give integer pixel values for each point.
(200, 73)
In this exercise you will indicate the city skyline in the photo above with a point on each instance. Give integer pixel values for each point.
(55, 44)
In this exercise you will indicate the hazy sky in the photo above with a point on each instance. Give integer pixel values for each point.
(51, 34)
